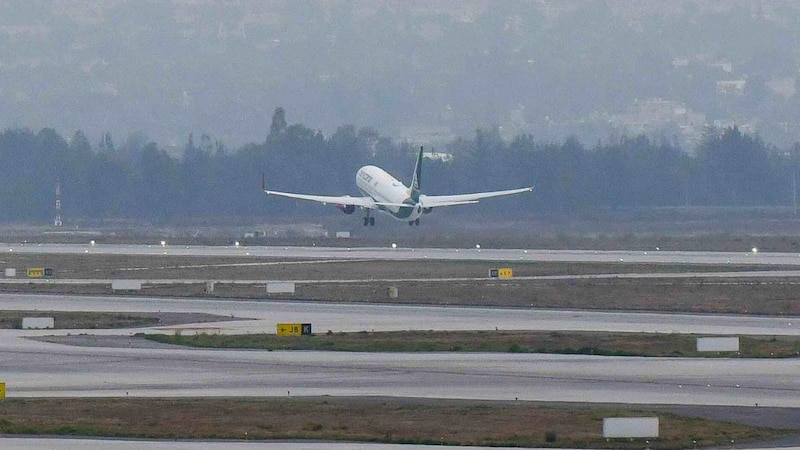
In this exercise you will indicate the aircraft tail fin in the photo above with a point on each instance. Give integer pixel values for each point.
(415, 181)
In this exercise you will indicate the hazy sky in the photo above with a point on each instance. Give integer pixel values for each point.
(418, 69)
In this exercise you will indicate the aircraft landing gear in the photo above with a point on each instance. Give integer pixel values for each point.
(413, 222)
(369, 220)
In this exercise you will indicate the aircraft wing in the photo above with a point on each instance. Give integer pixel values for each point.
(362, 202)
(434, 201)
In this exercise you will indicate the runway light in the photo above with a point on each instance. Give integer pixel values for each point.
(525, 251)
(236, 243)
(92, 242)
(658, 249)
(163, 243)
(755, 249)
(478, 246)
(394, 245)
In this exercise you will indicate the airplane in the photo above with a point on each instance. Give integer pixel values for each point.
(382, 192)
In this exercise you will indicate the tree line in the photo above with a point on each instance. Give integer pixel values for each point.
(139, 180)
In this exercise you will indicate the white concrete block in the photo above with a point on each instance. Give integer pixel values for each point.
(630, 427)
(280, 287)
(342, 234)
(10, 273)
(29, 323)
(126, 285)
(718, 344)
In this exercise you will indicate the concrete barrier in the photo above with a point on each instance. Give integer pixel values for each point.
(280, 287)
(718, 344)
(126, 285)
(10, 273)
(630, 427)
(209, 287)
(35, 323)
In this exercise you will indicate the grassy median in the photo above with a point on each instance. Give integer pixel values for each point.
(88, 320)
(421, 421)
(565, 342)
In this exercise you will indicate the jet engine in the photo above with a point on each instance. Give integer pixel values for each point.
(347, 209)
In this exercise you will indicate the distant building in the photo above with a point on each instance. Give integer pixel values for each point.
(428, 135)
(437, 156)
(746, 126)
(783, 86)
(656, 114)
(731, 87)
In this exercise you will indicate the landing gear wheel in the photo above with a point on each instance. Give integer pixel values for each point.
(416, 222)
(366, 221)
(372, 221)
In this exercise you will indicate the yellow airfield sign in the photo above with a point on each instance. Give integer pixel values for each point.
(505, 272)
(294, 329)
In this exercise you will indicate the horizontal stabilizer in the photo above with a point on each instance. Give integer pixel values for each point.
(453, 203)
(395, 205)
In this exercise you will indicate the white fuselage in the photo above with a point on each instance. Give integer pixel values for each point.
(375, 182)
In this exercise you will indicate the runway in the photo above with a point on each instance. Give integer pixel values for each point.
(385, 317)
(601, 276)
(38, 369)
(746, 256)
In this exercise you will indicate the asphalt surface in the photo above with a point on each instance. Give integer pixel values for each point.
(37, 369)
(747, 256)
(386, 317)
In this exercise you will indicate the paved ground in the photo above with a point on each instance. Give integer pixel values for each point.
(388, 253)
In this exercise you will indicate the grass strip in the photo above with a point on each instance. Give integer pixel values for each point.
(70, 320)
(563, 342)
(419, 421)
